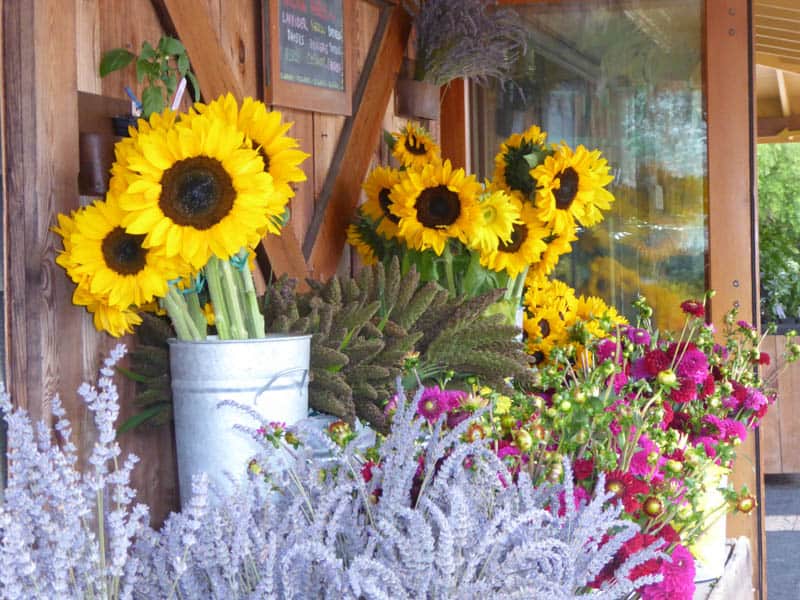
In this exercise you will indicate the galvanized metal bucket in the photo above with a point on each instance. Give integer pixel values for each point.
(267, 375)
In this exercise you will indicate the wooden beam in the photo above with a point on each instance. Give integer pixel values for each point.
(325, 239)
(198, 30)
(44, 343)
(454, 124)
(786, 106)
(769, 60)
(771, 126)
(732, 271)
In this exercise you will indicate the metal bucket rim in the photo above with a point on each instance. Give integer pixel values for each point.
(212, 339)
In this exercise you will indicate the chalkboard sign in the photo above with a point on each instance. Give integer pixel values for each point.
(308, 65)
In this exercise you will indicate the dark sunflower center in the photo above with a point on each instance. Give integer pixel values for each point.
(437, 207)
(538, 357)
(196, 192)
(415, 145)
(123, 252)
(569, 188)
(518, 236)
(265, 156)
(385, 202)
(544, 327)
(518, 170)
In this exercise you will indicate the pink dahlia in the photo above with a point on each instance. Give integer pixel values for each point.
(678, 582)
(434, 402)
(693, 307)
(693, 366)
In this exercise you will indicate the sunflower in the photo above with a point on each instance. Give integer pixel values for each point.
(198, 191)
(65, 228)
(570, 188)
(545, 329)
(121, 176)
(434, 205)
(266, 132)
(378, 186)
(545, 293)
(597, 316)
(557, 246)
(524, 248)
(499, 214)
(113, 263)
(116, 321)
(512, 165)
(414, 147)
(365, 251)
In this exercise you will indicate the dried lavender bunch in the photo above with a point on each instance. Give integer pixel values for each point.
(465, 38)
(416, 529)
(63, 533)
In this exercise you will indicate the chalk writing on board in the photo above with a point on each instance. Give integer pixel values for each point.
(312, 42)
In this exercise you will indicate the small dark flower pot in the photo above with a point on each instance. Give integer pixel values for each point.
(416, 99)
(120, 123)
(96, 157)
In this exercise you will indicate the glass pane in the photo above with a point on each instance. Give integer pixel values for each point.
(624, 77)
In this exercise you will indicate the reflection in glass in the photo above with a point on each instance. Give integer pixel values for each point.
(624, 77)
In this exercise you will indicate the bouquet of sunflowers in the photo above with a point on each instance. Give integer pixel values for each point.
(472, 236)
(190, 197)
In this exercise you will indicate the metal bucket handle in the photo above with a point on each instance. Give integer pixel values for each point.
(277, 376)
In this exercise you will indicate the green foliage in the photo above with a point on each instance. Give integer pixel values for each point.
(779, 230)
(160, 68)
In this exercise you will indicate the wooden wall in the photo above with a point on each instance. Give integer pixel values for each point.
(52, 345)
(780, 430)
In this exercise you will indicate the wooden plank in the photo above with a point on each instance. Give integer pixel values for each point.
(769, 126)
(325, 239)
(240, 32)
(40, 141)
(769, 60)
(771, 442)
(302, 205)
(730, 187)
(790, 419)
(196, 28)
(454, 124)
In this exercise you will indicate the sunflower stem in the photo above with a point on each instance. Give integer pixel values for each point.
(448, 271)
(214, 281)
(254, 318)
(196, 312)
(232, 300)
(178, 312)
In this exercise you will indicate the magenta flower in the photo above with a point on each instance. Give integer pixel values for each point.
(745, 325)
(734, 429)
(693, 366)
(640, 337)
(678, 581)
(693, 307)
(607, 349)
(434, 402)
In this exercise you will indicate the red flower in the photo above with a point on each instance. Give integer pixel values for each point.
(687, 392)
(678, 581)
(583, 468)
(366, 471)
(693, 307)
(763, 359)
(656, 361)
(626, 487)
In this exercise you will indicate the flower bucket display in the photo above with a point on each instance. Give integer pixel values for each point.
(709, 550)
(215, 383)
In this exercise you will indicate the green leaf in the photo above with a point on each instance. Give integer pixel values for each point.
(148, 413)
(195, 86)
(389, 139)
(114, 60)
(152, 101)
(145, 69)
(148, 52)
(183, 64)
(132, 375)
(171, 47)
(170, 82)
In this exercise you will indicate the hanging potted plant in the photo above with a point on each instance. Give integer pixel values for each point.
(190, 198)
(470, 39)
(160, 70)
